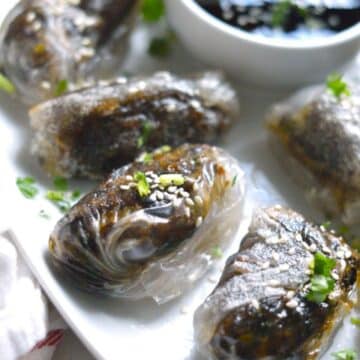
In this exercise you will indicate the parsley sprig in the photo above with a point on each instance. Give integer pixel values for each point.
(337, 86)
(321, 281)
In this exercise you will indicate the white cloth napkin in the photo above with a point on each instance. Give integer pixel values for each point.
(30, 328)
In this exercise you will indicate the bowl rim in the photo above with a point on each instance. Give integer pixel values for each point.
(342, 37)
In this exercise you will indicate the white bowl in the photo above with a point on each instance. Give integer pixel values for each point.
(259, 60)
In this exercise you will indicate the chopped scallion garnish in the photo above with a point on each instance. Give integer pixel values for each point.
(27, 187)
(337, 86)
(6, 85)
(345, 355)
(171, 179)
(142, 184)
(152, 10)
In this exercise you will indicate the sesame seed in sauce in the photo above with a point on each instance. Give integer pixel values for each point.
(195, 186)
(255, 304)
(290, 294)
(292, 304)
(124, 187)
(188, 201)
(199, 221)
(187, 211)
(313, 248)
(36, 26)
(198, 200)
(129, 177)
(171, 189)
(30, 16)
(160, 195)
(176, 202)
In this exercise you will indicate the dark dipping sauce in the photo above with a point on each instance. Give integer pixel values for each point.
(286, 18)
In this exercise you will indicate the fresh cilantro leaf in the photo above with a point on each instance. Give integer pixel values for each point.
(60, 183)
(323, 265)
(337, 86)
(75, 195)
(61, 87)
(326, 225)
(345, 355)
(171, 179)
(26, 187)
(6, 85)
(152, 10)
(355, 321)
(142, 184)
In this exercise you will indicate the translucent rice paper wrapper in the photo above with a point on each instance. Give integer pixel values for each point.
(163, 277)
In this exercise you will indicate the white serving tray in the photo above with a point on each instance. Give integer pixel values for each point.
(113, 329)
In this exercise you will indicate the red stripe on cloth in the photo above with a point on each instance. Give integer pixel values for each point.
(52, 338)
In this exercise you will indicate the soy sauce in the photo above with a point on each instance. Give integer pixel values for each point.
(286, 18)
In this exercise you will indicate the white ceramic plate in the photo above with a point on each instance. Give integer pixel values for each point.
(109, 328)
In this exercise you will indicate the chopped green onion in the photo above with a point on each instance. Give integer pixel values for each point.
(345, 355)
(164, 149)
(152, 10)
(26, 187)
(6, 85)
(171, 179)
(355, 321)
(75, 195)
(337, 86)
(216, 252)
(61, 87)
(280, 13)
(59, 199)
(60, 183)
(146, 130)
(142, 184)
(159, 47)
(321, 282)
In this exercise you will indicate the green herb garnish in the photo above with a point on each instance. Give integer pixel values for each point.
(44, 214)
(6, 85)
(171, 179)
(26, 187)
(152, 10)
(337, 86)
(326, 225)
(345, 355)
(164, 149)
(75, 195)
(59, 198)
(355, 321)
(282, 10)
(61, 87)
(60, 183)
(146, 130)
(142, 184)
(216, 252)
(321, 282)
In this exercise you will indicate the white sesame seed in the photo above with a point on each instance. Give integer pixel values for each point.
(86, 41)
(292, 251)
(160, 195)
(129, 177)
(198, 199)
(152, 197)
(30, 16)
(292, 304)
(347, 254)
(185, 194)
(308, 272)
(334, 275)
(325, 249)
(45, 85)
(171, 189)
(275, 256)
(313, 248)
(36, 26)
(154, 186)
(149, 173)
(255, 304)
(190, 180)
(87, 52)
(274, 282)
(342, 265)
(195, 186)
(176, 202)
(284, 267)
(124, 187)
(334, 294)
(149, 180)
(188, 201)
(340, 254)
(187, 211)
(290, 294)
(265, 265)
(298, 237)
(199, 221)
